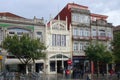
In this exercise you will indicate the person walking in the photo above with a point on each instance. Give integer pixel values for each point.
(89, 77)
(67, 73)
(81, 73)
(118, 75)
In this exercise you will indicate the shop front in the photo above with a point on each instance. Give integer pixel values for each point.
(81, 63)
(58, 63)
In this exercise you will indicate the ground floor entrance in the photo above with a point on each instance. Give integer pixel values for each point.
(57, 63)
(81, 63)
(58, 66)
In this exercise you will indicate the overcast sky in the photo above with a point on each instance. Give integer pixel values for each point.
(45, 8)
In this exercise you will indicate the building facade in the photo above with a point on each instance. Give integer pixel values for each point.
(66, 37)
(59, 46)
(86, 28)
(116, 29)
(11, 24)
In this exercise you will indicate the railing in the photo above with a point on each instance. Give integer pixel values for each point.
(101, 37)
(75, 37)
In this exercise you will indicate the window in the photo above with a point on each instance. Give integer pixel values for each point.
(75, 31)
(39, 36)
(55, 27)
(109, 34)
(19, 33)
(58, 40)
(102, 33)
(75, 46)
(52, 66)
(94, 32)
(81, 46)
(11, 32)
(75, 17)
(63, 40)
(85, 32)
(53, 40)
(81, 32)
(39, 33)
(80, 18)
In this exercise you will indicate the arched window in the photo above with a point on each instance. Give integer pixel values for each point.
(59, 56)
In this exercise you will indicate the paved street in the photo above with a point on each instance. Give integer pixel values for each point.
(62, 77)
(55, 77)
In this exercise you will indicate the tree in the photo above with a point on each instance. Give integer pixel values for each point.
(98, 53)
(116, 49)
(24, 48)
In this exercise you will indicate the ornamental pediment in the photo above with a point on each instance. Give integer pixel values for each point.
(58, 26)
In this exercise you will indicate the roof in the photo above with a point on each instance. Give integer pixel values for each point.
(117, 28)
(99, 15)
(8, 14)
(74, 5)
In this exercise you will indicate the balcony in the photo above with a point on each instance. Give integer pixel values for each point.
(109, 38)
(94, 37)
(102, 38)
(77, 37)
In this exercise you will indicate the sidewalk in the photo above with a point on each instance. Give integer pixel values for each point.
(37, 76)
(62, 77)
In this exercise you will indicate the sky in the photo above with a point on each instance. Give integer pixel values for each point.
(50, 8)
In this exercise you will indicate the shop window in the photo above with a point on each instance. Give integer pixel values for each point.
(19, 33)
(52, 66)
(11, 32)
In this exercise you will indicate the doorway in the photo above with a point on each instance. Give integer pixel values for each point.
(59, 66)
(39, 67)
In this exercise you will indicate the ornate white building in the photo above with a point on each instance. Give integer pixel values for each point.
(58, 42)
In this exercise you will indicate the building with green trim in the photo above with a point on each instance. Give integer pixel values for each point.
(11, 24)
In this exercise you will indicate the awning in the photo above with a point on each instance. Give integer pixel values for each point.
(16, 61)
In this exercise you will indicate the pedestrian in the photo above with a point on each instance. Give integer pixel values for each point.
(75, 74)
(111, 72)
(71, 73)
(118, 74)
(89, 77)
(67, 73)
(81, 73)
(103, 73)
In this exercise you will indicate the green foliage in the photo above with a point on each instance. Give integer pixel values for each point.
(98, 53)
(24, 48)
(116, 46)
